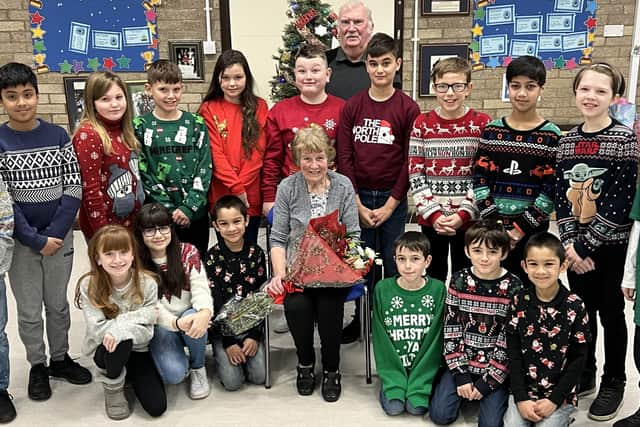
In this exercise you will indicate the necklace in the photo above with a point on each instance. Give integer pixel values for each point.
(322, 187)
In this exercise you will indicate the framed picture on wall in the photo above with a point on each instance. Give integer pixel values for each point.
(432, 53)
(445, 7)
(140, 102)
(189, 57)
(74, 92)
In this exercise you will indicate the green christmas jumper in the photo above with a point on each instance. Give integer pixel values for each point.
(407, 338)
(175, 162)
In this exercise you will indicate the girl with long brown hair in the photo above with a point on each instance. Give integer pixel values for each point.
(118, 299)
(236, 118)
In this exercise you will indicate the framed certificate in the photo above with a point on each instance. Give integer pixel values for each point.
(140, 102)
(445, 7)
(189, 57)
(74, 93)
(432, 53)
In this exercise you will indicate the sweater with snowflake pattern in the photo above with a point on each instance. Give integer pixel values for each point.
(111, 186)
(230, 272)
(441, 153)
(407, 338)
(514, 177)
(475, 345)
(547, 346)
(595, 184)
(283, 121)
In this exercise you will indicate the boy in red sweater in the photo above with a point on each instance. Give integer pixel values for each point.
(313, 105)
(373, 144)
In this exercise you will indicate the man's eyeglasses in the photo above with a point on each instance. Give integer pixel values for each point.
(444, 87)
(151, 231)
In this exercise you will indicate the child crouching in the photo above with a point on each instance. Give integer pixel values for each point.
(407, 328)
(118, 300)
(546, 340)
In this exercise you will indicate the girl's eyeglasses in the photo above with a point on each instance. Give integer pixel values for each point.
(151, 231)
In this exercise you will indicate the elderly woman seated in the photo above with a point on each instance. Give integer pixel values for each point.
(312, 192)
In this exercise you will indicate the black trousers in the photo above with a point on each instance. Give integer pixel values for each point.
(324, 306)
(197, 233)
(600, 290)
(141, 372)
(441, 247)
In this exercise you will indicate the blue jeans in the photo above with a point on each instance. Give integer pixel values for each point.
(381, 238)
(391, 407)
(167, 351)
(232, 376)
(445, 404)
(561, 417)
(4, 342)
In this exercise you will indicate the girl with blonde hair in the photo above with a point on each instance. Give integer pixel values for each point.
(107, 152)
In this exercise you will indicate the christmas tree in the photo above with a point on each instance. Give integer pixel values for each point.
(311, 22)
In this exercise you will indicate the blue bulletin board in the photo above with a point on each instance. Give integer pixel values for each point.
(72, 36)
(559, 32)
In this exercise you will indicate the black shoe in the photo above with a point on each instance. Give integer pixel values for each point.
(630, 421)
(306, 381)
(587, 384)
(69, 370)
(331, 387)
(7, 410)
(351, 332)
(39, 388)
(609, 400)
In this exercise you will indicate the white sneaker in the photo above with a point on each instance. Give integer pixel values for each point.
(199, 384)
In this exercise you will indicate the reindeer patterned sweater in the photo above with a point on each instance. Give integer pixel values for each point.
(441, 155)
(514, 174)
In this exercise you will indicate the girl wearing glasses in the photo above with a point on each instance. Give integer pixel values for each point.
(184, 300)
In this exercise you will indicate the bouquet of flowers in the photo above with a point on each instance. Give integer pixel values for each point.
(326, 256)
(239, 314)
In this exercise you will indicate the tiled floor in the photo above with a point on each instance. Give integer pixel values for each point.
(251, 406)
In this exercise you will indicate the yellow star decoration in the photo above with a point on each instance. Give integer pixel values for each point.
(152, 27)
(40, 58)
(591, 37)
(37, 33)
(477, 30)
(156, 2)
(587, 52)
(476, 57)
